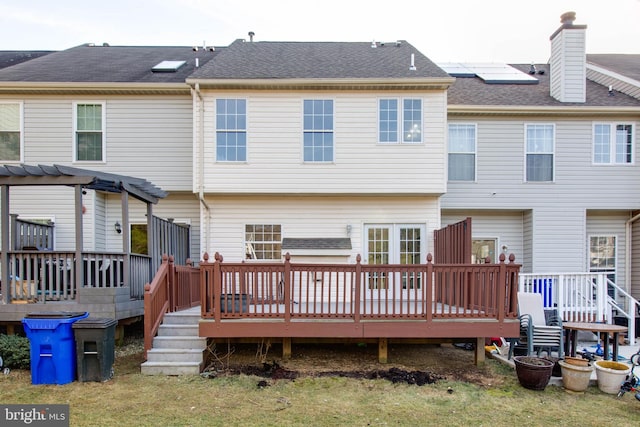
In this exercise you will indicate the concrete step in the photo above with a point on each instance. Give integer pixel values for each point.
(178, 330)
(170, 368)
(174, 355)
(184, 342)
(181, 318)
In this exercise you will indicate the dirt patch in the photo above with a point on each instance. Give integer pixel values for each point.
(418, 364)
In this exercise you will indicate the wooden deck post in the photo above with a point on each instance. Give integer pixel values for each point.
(479, 356)
(382, 350)
(286, 348)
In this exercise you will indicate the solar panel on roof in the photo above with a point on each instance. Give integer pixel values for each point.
(168, 66)
(490, 73)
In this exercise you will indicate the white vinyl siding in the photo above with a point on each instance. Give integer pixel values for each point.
(149, 137)
(89, 132)
(316, 217)
(362, 166)
(539, 147)
(613, 143)
(462, 152)
(11, 139)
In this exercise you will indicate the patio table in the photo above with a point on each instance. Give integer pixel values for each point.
(602, 329)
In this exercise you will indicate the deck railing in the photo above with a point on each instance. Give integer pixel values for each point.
(173, 288)
(40, 276)
(358, 291)
(583, 297)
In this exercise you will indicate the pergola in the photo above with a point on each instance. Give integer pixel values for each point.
(80, 179)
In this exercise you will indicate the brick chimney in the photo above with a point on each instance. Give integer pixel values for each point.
(568, 60)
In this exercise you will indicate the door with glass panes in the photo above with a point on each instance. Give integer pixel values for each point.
(393, 244)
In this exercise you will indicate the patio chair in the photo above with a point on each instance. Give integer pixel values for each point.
(540, 329)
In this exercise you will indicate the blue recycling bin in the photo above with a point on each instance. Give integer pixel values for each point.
(52, 346)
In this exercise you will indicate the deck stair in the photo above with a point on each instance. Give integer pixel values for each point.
(177, 349)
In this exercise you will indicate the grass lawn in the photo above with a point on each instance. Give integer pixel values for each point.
(467, 396)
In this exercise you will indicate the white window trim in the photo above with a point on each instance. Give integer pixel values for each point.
(612, 143)
(74, 157)
(400, 120)
(215, 132)
(245, 242)
(553, 163)
(303, 130)
(21, 130)
(475, 151)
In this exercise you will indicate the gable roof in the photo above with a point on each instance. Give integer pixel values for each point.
(111, 66)
(625, 64)
(357, 62)
(91, 179)
(13, 57)
(473, 91)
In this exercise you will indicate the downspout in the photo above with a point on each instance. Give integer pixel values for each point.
(200, 132)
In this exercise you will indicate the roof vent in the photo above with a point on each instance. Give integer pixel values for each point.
(532, 69)
(251, 34)
(373, 44)
(395, 43)
(412, 67)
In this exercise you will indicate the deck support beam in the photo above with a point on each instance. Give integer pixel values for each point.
(286, 348)
(383, 350)
(479, 356)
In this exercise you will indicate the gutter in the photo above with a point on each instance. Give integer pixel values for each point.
(200, 132)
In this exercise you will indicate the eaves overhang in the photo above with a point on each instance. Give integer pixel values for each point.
(385, 84)
(541, 111)
(92, 88)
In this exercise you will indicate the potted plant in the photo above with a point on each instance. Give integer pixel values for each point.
(575, 376)
(533, 372)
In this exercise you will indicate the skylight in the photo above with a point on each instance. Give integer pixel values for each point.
(490, 73)
(168, 66)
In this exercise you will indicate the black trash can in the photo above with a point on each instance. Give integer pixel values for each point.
(95, 348)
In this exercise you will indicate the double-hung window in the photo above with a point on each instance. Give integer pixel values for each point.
(613, 143)
(462, 152)
(400, 120)
(89, 132)
(539, 147)
(231, 130)
(10, 132)
(318, 130)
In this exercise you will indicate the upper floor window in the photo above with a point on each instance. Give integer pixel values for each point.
(89, 132)
(539, 152)
(10, 132)
(231, 130)
(462, 152)
(318, 130)
(263, 241)
(613, 143)
(390, 115)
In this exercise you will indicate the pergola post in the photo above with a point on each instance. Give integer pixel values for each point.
(79, 264)
(126, 231)
(4, 262)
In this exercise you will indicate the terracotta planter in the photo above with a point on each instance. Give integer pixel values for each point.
(577, 361)
(611, 375)
(575, 377)
(533, 372)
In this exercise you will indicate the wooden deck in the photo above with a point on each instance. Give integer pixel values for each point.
(359, 301)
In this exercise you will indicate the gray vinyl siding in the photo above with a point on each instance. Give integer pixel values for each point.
(610, 224)
(506, 227)
(635, 263)
(554, 213)
(182, 207)
(149, 137)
